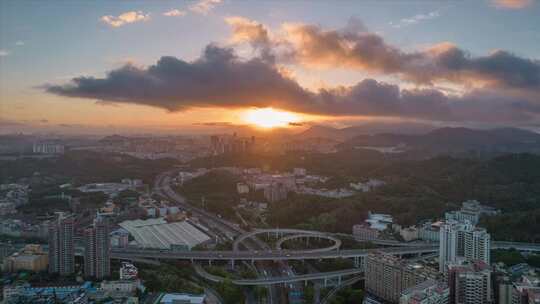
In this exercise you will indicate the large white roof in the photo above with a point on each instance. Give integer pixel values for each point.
(157, 233)
(182, 298)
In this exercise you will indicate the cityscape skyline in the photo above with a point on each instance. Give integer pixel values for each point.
(270, 152)
(383, 61)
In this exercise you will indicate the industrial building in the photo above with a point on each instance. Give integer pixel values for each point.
(174, 298)
(157, 233)
(31, 258)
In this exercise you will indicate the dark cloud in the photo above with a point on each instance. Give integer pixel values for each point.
(296, 124)
(372, 98)
(220, 79)
(214, 124)
(70, 125)
(500, 68)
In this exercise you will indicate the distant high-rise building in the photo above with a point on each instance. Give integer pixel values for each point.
(231, 144)
(61, 249)
(470, 282)
(48, 148)
(387, 276)
(470, 211)
(276, 192)
(96, 252)
(462, 240)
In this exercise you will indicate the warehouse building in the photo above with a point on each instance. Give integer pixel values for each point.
(157, 233)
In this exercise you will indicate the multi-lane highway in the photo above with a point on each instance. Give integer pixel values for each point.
(259, 251)
(162, 187)
(282, 280)
(264, 255)
(276, 255)
(337, 288)
(294, 233)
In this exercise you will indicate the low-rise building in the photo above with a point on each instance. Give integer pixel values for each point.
(242, 188)
(182, 298)
(428, 292)
(31, 258)
(409, 234)
(50, 294)
(121, 287)
(367, 186)
(128, 271)
(379, 221)
(430, 232)
(524, 290)
(6, 249)
(299, 171)
(364, 232)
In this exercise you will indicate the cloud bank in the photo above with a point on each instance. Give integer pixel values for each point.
(219, 78)
(353, 47)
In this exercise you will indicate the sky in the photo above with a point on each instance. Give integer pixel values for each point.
(70, 66)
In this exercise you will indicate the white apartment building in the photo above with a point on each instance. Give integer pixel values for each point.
(462, 240)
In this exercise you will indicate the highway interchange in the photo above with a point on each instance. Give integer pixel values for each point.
(260, 251)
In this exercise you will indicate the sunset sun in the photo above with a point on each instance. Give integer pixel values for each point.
(269, 118)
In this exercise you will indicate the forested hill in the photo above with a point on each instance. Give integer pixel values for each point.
(416, 189)
(452, 140)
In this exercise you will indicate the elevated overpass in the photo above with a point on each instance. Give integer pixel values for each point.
(277, 255)
(339, 287)
(266, 255)
(282, 280)
(335, 246)
(291, 234)
(529, 247)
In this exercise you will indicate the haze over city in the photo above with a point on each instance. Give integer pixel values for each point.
(270, 152)
(141, 66)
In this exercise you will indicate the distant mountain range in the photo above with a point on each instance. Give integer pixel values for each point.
(319, 131)
(454, 140)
